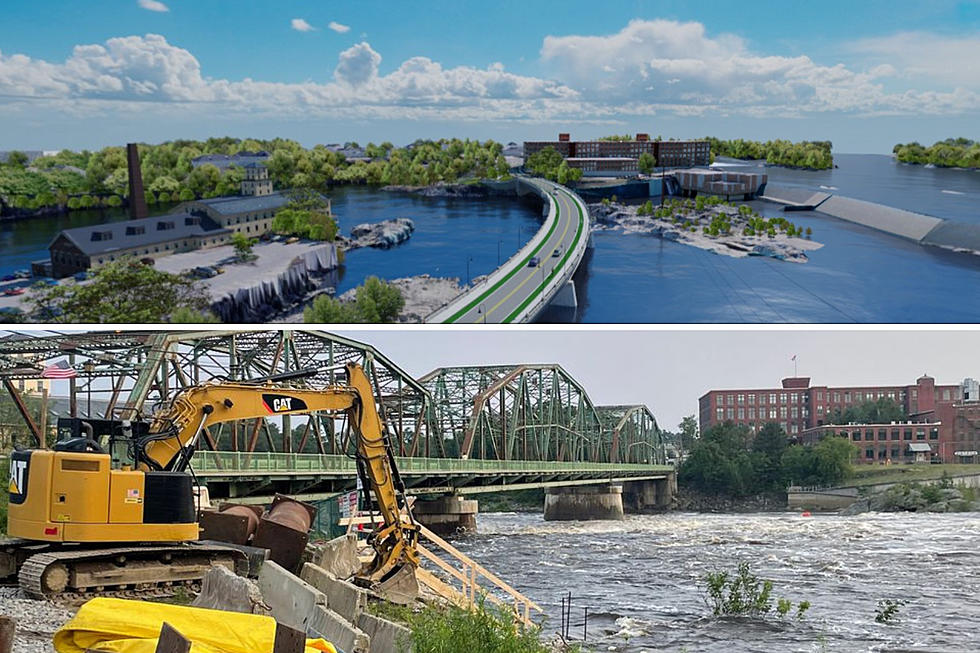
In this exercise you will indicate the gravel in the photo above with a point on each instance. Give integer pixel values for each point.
(37, 621)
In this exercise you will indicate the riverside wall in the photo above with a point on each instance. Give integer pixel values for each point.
(923, 229)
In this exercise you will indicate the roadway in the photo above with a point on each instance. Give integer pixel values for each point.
(518, 289)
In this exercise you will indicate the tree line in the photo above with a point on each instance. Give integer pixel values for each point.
(730, 460)
(814, 155)
(949, 153)
(77, 180)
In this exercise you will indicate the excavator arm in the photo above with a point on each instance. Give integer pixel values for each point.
(174, 433)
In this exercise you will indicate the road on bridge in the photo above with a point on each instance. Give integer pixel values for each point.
(519, 284)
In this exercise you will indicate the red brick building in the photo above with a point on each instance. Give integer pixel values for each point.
(952, 411)
(591, 155)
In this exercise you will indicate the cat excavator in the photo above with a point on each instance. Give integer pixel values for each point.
(109, 508)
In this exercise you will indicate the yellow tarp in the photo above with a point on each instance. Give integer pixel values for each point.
(124, 626)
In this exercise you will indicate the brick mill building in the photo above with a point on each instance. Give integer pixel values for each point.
(943, 421)
(191, 225)
(620, 158)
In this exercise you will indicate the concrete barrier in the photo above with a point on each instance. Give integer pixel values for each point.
(297, 604)
(346, 599)
(339, 556)
(223, 590)
(386, 636)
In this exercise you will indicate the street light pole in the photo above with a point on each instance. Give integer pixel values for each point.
(468, 259)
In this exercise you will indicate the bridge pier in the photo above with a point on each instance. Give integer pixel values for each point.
(583, 502)
(566, 297)
(447, 515)
(639, 496)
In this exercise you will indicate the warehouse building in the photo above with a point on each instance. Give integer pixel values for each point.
(946, 418)
(620, 158)
(191, 225)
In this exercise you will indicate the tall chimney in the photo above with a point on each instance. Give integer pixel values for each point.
(137, 200)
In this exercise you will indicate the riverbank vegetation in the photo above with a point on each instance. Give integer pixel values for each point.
(550, 164)
(306, 216)
(812, 155)
(729, 460)
(950, 153)
(743, 594)
(121, 291)
(451, 629)
(76, 180)
(375, 302)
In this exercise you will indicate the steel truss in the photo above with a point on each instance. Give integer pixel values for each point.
(535, 412)
(128, 373)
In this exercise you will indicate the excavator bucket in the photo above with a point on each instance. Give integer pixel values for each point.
(401, 586)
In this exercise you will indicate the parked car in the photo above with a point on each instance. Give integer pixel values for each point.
(533, 263)
(81, 276)
(22, 274)
(8, 277)
(10, 292)
(205, 272)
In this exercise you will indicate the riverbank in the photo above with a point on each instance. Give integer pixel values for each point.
(719, 228)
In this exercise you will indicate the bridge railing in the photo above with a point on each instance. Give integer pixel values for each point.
(240, 462)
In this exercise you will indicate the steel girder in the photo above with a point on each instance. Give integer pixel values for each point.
(129, 372)
(633, 435)
(515, 412)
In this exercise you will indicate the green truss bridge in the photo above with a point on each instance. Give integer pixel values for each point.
(456, 431)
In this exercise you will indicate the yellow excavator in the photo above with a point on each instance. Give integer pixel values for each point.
(110, 509)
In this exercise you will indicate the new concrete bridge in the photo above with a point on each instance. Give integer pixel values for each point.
(455, 431)
(539, 274)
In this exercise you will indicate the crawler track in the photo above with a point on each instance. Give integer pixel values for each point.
(77, 574)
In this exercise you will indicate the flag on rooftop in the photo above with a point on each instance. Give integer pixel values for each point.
(793, 358)
(59, 370)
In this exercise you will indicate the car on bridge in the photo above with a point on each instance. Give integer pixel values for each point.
(556, 253)
(533, 263)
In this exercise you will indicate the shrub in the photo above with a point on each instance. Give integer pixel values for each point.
(744, 594)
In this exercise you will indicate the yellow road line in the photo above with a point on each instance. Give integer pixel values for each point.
(531, 276)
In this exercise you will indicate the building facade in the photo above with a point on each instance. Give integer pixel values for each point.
(945, 417)
(589, 155)
(191, 225)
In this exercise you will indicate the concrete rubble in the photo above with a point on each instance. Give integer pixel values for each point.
(222, 589)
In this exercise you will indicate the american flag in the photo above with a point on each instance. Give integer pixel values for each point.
(59, 370)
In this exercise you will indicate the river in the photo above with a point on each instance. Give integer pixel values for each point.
(640, 578)
(859, 276)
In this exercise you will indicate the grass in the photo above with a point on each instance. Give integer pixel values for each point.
(874, 474)
(451, 629)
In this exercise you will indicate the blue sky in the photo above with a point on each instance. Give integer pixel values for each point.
(863, 74)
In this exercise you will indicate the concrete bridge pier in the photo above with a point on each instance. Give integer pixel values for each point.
(639, 496)
(447, 515)
(583, 502)
(566, 297)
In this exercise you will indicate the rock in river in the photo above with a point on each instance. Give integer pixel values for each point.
(380, 234)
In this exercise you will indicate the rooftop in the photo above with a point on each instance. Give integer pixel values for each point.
(241, 204)
(114, 236)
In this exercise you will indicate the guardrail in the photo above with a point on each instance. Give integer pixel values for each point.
(545, 291)
(219, 462)
(543, 295)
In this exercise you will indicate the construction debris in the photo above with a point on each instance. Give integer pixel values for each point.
(223, 590)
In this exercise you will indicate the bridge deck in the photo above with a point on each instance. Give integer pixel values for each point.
(517, 291)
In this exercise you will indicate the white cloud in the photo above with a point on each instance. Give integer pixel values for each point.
(670, 64)
(926, 56)
(648, 68)
(300, 25)
(339, 28)
(149, 69)
(153, 5)
(358, 64)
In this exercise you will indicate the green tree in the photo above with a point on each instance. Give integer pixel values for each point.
(379, 302)
(121, 291)
(771, 442)
(689, 432)
(647, 162)
(327, 310)
(243, 246)
(185, 315)
(17, 159)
